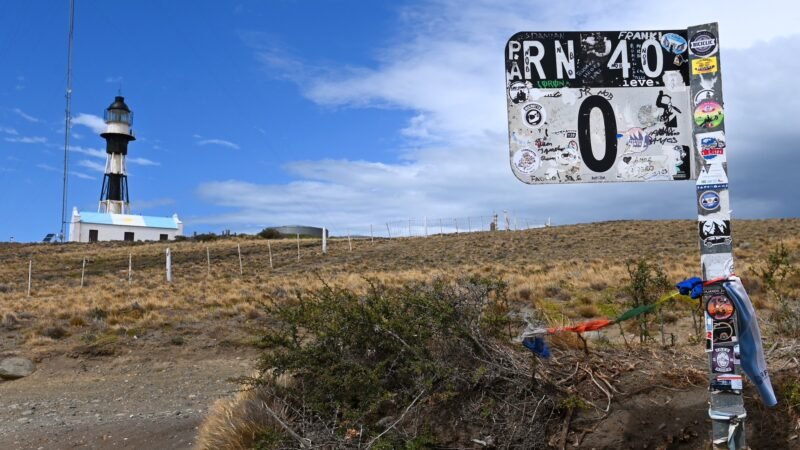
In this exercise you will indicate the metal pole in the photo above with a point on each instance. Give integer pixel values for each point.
(726, 408)
(350, 243)
(409, 227)
(30, 273)
(269, 248)
(83, 270)
(241, 269)
(469, 225)
(324, 240)
(371, 237)
(298, 246)
(425, 221)
(481, 223)
(169, 266)
(67, 120)
(441, 230)
(388, 230)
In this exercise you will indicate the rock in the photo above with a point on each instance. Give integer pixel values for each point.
(16, 367)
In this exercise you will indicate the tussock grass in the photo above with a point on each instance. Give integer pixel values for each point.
(546, 268)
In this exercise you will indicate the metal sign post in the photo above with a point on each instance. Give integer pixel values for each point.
(633, 106)
(716, 247)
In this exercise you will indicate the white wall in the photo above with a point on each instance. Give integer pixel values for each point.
(117, 232)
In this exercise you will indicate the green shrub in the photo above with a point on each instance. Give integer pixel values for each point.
(362, 360)
(269, 233)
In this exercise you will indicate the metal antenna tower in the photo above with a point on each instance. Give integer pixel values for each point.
(67, 120)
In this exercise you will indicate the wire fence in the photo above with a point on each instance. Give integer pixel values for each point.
(79, 265)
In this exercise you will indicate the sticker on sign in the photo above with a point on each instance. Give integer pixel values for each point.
(600, 106)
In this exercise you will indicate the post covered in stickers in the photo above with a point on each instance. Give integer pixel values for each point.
(661, 118)
(726, 407)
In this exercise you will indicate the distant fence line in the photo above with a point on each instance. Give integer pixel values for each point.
(428, 226)
(230, 258)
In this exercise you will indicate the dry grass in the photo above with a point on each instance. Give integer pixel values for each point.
(242, 422)
(568, 271)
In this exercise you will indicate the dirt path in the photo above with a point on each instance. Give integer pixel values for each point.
(150, 399)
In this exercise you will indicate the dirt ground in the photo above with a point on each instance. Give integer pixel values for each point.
(150, 398)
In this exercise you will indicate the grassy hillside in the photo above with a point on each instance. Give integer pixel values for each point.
(567, 271)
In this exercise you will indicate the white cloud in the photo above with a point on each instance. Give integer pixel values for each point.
(113, 80)
(445, 68)
(92, 165)
(50, 168)
(8, 130)
(219, 142)
(25, 116)
(94, 152)
(143, 162)
(27, 139)
(96, 123)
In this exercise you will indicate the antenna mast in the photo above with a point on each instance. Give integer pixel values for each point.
(67, 120)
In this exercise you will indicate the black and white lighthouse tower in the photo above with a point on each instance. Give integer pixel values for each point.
(114, 195)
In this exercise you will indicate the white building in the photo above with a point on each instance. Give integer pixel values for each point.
(113, 220)
(93, 227)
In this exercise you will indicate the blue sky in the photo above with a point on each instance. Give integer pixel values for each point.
(347, 113)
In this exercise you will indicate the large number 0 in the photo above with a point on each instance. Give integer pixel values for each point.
(584, 136)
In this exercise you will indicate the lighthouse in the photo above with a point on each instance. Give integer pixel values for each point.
(114, 194)
(114, 220)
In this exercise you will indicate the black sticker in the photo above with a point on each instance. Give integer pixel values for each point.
(715, 232)
(722, 360)
(703, 43)
(724, 332)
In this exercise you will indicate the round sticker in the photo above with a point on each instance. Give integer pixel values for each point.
(720, 307)
(673, 43)
(708, 115)
(709, 200)
(703, 95)
(534, 115)
(723, 360)
(703, 43)
(526, 161)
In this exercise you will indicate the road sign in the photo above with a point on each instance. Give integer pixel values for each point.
(600, 106)
(610, 106)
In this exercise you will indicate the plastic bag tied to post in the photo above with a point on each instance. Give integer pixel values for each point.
(752, 354)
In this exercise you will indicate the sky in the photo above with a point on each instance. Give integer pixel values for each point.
(347, 114)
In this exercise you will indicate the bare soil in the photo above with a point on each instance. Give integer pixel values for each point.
(149, 398)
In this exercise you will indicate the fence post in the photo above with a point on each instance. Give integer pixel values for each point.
(208, 262)
(169, 266)
(456, 222)
(441, 230)
(469, 225)
(83, 270)
(481, 223)
(241, 269)
(298, 246)
(30, 273)
(350, 243)
(269, 248)
(371, 237)
(425, 221)
(409, 227)
(388, 230)
(130, 266)
(324, 240)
